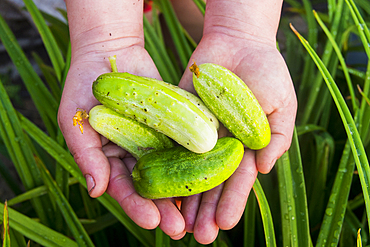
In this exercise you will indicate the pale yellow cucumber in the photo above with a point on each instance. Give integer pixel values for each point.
(157, 105)
(136, 138)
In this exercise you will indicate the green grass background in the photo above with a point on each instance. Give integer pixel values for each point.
(317, 194)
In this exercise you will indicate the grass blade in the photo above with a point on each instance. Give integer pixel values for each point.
(182, 46)
(299, 193)
(76, 228)
(157, 51)
(294, 211)
(36, 192)
(49, 74)
(341, 60)
(64, 158)
(35, 231)
(50, 44)
(250, 221)
(336, 207)
(268, 224)
(19, 151)
(313, 93)
(201, 4)
(45, 103)
(361, 26)
(359, 241)
(355, 142)
(6, 236)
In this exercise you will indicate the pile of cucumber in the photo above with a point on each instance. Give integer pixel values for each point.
(173, 133)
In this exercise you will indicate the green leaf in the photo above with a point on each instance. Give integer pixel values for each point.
(76, 228)
(354, 139)
(6, 236)
(341, 60)
(19, 150)
(316, 85)
(176, 30)
(50, 44)
(359, 242)
(294, 210)
(36, 192)
(161, 239)
(64, 158)
(45, 103)
(35, 231)
(201, 4)
(157, 51)
(268, 225)
(250, 221)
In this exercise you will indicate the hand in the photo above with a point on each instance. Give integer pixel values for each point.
(106, 166)
(262, 68)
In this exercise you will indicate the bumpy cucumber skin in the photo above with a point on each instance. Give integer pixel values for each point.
(149, 102)
(136, 138)
(234, 104)
(195, 100)
(179, 172)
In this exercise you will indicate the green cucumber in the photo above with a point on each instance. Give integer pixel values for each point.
(179, 172)
(233, 103)
(136, 138)
(155, 104)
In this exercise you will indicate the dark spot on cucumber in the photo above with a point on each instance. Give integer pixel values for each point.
(142, 102)
(188, 143)
(218, 97)
(155, 102)
(205, 178)
(117, 103)
(145, 109)
(189, 189)
(117, 128)
(156, 93)
(134, 93)
(108, 93)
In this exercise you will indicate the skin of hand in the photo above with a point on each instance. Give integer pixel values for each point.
(107, 167)
(248, 48)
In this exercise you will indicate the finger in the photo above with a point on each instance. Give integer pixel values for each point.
(172, 223)
(142, 211)
(206, 228)
(189, 210)
(235, 193)
(86, 150)
(112, 150)
(282, 126)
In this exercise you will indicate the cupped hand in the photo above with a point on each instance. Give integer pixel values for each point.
(263, 69)
(107, 167)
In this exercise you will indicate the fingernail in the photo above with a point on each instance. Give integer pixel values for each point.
(90, 182)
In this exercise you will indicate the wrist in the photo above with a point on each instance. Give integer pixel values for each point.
(244, 19)
(103, 26)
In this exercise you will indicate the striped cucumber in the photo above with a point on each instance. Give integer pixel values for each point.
(233, 103)
(157, 105)
(178, 172)
(136, 138)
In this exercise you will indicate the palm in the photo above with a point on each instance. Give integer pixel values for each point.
(262, 68)
(109, 165)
